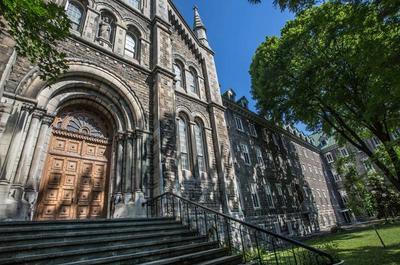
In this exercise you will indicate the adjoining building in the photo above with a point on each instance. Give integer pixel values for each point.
(332, 151)
(281, 177)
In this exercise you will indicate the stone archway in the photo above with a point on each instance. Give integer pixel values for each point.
(74, 183)
(93, 87)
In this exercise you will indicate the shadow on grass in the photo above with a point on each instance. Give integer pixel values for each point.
(371, 255)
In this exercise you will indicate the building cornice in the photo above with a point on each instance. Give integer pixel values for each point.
(254, 116)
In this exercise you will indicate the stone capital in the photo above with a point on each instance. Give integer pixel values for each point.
(46, 119)
(38, 113)
(119, 136)
(28, 107)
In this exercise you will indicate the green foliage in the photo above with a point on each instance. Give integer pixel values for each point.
(336, 67)
(37, 26)
(387, 8)
(359, 197)
(386, 199)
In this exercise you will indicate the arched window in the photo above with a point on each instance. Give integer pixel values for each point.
(192, 81)
(183, 143)
(75, 13)
(200, 147)
(131, 45)
(134, 3)
(179, 70)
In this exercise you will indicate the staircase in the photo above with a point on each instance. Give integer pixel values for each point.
(150, 241)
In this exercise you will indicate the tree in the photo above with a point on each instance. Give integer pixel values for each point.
(386, 8)
(387, 201)
(359, 197)
(37, 26)
(336, 67)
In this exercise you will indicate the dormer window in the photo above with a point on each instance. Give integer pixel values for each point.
(134, 3)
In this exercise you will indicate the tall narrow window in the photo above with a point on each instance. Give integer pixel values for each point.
(329, 157)
(134, 3)
(75, 14)
(179, 77)
(239, 123)
(254, 196)
(260, 159)
(183, 143)
(253, 131)
(192, 81)
(131, 45)
(268, 192)
(344, 152)
(245, 153)
(199, 135)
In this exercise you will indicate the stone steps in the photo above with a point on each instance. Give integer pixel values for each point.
(122, 241)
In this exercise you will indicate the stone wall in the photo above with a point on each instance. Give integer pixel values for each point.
(283, 158)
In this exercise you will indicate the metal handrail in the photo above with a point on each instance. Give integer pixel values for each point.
(228, 219)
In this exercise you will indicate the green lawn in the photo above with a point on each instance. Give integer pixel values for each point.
(362, 247)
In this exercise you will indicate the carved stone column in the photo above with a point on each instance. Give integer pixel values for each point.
(8, 165)
(28, 149)
(119, 165)
(128, 189)
(138, 161)
(8, 201)
(31, 188)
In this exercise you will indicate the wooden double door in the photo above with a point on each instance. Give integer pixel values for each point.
(75, 178)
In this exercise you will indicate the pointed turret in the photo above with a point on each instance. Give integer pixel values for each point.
(199, 28)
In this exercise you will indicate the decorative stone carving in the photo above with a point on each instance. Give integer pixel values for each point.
(105, 29)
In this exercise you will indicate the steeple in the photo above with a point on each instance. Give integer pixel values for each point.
(199, 28)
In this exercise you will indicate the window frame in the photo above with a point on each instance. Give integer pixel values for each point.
(259, 156)
(239, 126)
(182, 80)
(133, 6)
(254, 196)
(329, 157)
(198, 127)
(187, 140)
(269, 195)
(82, 8)
(245, 151)
(136, 40)
(252, 129)
(344, 152)
(192, 72)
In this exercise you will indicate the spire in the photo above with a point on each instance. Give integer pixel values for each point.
(198, 23)
(199, 28)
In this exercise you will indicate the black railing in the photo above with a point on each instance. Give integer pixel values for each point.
(256, 245)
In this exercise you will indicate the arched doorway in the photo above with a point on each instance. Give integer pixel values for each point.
(74, 183)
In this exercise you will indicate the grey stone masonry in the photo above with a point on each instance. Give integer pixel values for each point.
(282, 184)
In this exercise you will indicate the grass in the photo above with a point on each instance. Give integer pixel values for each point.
(362, 247)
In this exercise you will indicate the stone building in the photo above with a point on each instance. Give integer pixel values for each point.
(331, 152)
(138, 113)
(281, 178)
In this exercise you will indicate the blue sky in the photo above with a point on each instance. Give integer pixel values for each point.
(235, 29)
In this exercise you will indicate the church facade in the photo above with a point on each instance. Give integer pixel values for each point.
(138, 113)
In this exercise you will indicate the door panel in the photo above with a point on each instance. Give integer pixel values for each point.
(74, 187)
